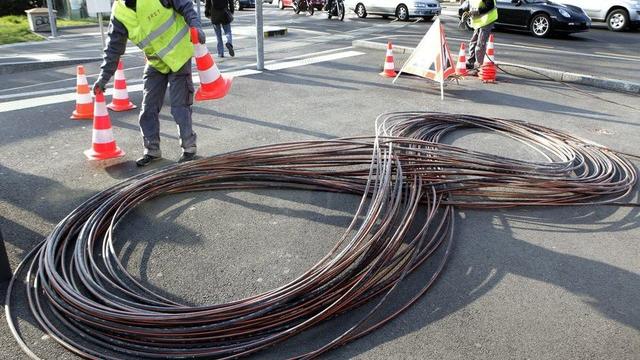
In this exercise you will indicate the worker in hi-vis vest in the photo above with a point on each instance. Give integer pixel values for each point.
(484, 14)
(160, 28)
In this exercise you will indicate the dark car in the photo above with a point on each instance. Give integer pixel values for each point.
(244, 4)
(540, 17)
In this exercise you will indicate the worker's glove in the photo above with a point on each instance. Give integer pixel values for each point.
(99, 86)
(202, 38)
(462, 24)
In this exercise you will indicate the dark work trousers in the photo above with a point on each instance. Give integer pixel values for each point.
(478, 45)
(181, 95)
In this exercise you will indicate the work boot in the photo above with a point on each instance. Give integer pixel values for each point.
(187, 157)
(231, 51)
(146, 160)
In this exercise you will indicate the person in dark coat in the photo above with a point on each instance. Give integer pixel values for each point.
(221, 14)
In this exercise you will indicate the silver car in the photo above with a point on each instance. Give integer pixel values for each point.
(403, 10)
(618, 14)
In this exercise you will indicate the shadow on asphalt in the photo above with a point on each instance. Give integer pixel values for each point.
(298, 130)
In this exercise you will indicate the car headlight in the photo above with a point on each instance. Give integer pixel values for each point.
(420, 5)
(564, 13)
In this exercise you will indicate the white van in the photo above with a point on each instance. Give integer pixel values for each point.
(618, 14)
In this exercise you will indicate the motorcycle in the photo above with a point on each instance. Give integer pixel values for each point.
(302, 5)
(337, 10)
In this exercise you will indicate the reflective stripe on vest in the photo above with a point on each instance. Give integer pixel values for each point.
(161, 33)
(486, 19)
(176, 39)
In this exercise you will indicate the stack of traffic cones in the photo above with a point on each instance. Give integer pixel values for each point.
(461, 66)
(103, 144)
(120, 100)
(213, 85)
(84, 102)
(488, 69)
(389, 66)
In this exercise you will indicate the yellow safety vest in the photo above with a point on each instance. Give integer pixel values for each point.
(161, 33)
(486, 19)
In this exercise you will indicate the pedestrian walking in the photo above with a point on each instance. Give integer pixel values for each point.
(484, 14)
(160, 28)
(221, 14)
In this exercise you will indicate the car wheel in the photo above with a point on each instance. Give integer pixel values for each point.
(280, 5)
(618, 20)
(427, 18)
(402, 12)
(361, 11)
(540, 25)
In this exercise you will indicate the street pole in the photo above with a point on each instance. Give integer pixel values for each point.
(101, 30)
(259, 37)
(52, 20)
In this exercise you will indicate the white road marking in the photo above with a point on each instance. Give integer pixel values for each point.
(313, 60)
(618, 55)
(536, 45)
(309, 31)
(70, 96)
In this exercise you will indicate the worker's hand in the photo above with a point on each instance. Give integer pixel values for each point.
(99, 86)
(474, 12)
(202, 38)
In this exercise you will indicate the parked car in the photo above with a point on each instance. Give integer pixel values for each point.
(540, 17)
(402, 9)
(317, 4)
(618, 14)
(244, 4)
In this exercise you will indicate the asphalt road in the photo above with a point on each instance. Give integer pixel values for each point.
(598, 52)
(521, 283)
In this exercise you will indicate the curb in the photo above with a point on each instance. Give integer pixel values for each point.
(526, 70)
(16, 67)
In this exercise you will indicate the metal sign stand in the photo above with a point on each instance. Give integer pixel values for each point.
(101, 30)
(5, 269)
(259, 37)
(52, 21)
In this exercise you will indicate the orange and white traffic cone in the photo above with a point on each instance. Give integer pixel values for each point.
(84, 102)
(461, 66)
(103, 144)
(120, 100)
(213, 85)
(488, 69)
(389, 66)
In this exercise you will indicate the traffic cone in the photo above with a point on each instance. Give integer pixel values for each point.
(103, 144)
(84, 102)
(120, 100)
(461, 66)
(488, 69)
(389, 66)
(213, 85)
